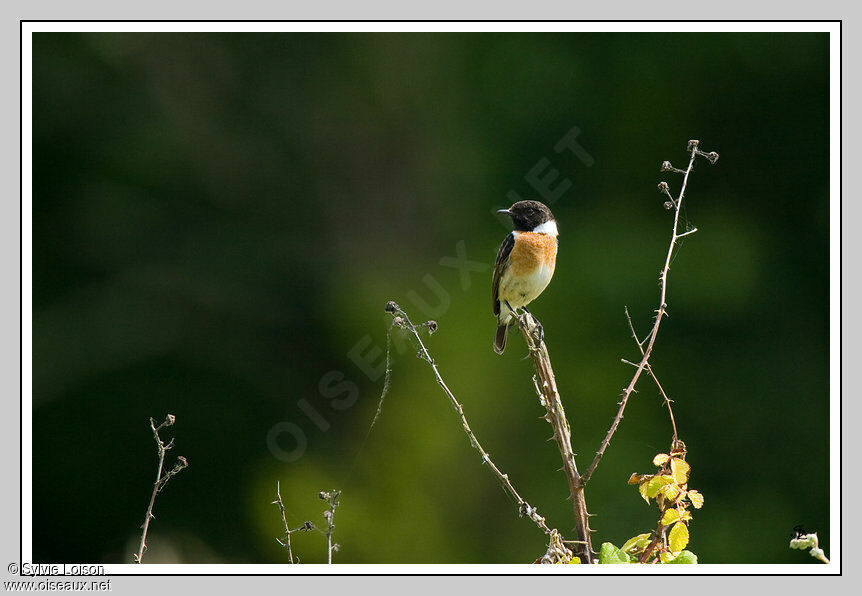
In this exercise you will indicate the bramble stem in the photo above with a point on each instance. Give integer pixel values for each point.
(661, 312)
(401, 319)
(161, 480)
(549, 397)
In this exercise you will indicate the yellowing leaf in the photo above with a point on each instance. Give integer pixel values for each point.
(666, 557)
(636, 543)
(660, 459)
(642, 489)
(656, 483)
(575, 561)
(680, 470)
(696, 499)
(685, 515)
(678, 537)
(636, 478)
(670, 516)
(670, 491)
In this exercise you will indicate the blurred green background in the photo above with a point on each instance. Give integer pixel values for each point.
(219, 219)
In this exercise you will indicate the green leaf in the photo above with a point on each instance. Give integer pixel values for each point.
(611, 555)
(686, 557)
(636, 543)
(656, 483)
(678, 537)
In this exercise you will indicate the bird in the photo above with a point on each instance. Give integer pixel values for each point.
(525, 263)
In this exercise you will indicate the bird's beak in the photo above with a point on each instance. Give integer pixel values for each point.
(506, 211)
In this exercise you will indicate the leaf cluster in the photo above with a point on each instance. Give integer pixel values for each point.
(669, 488)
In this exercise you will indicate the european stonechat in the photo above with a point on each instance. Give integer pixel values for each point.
(525, 263)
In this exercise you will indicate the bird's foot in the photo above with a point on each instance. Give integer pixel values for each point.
(538, 331)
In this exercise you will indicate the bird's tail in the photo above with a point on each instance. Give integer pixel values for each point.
(500, 338)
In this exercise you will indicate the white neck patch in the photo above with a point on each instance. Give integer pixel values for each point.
(549, 228)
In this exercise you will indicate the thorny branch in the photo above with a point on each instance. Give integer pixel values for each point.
(556, 550)
(667, 400)
(287, 531)
(161, 480)
(661, 312)
(549, 397)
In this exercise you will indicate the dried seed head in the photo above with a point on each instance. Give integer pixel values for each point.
(398, 322)
(668, 205)
(390, 307)
(712, 156)
(665, 166)
(432, 326)
(170, 419)
(693, 144)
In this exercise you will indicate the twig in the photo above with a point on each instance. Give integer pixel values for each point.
(331, 499)
(287, 530)
(161, 480)
(555, 415)
(667, 400)
(658, 536)
(524, 508)
(305, 527)
(661, 312)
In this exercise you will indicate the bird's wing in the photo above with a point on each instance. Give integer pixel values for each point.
(500, 268)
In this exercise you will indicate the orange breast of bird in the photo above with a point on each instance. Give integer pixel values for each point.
(531, 266)
(533, 251)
